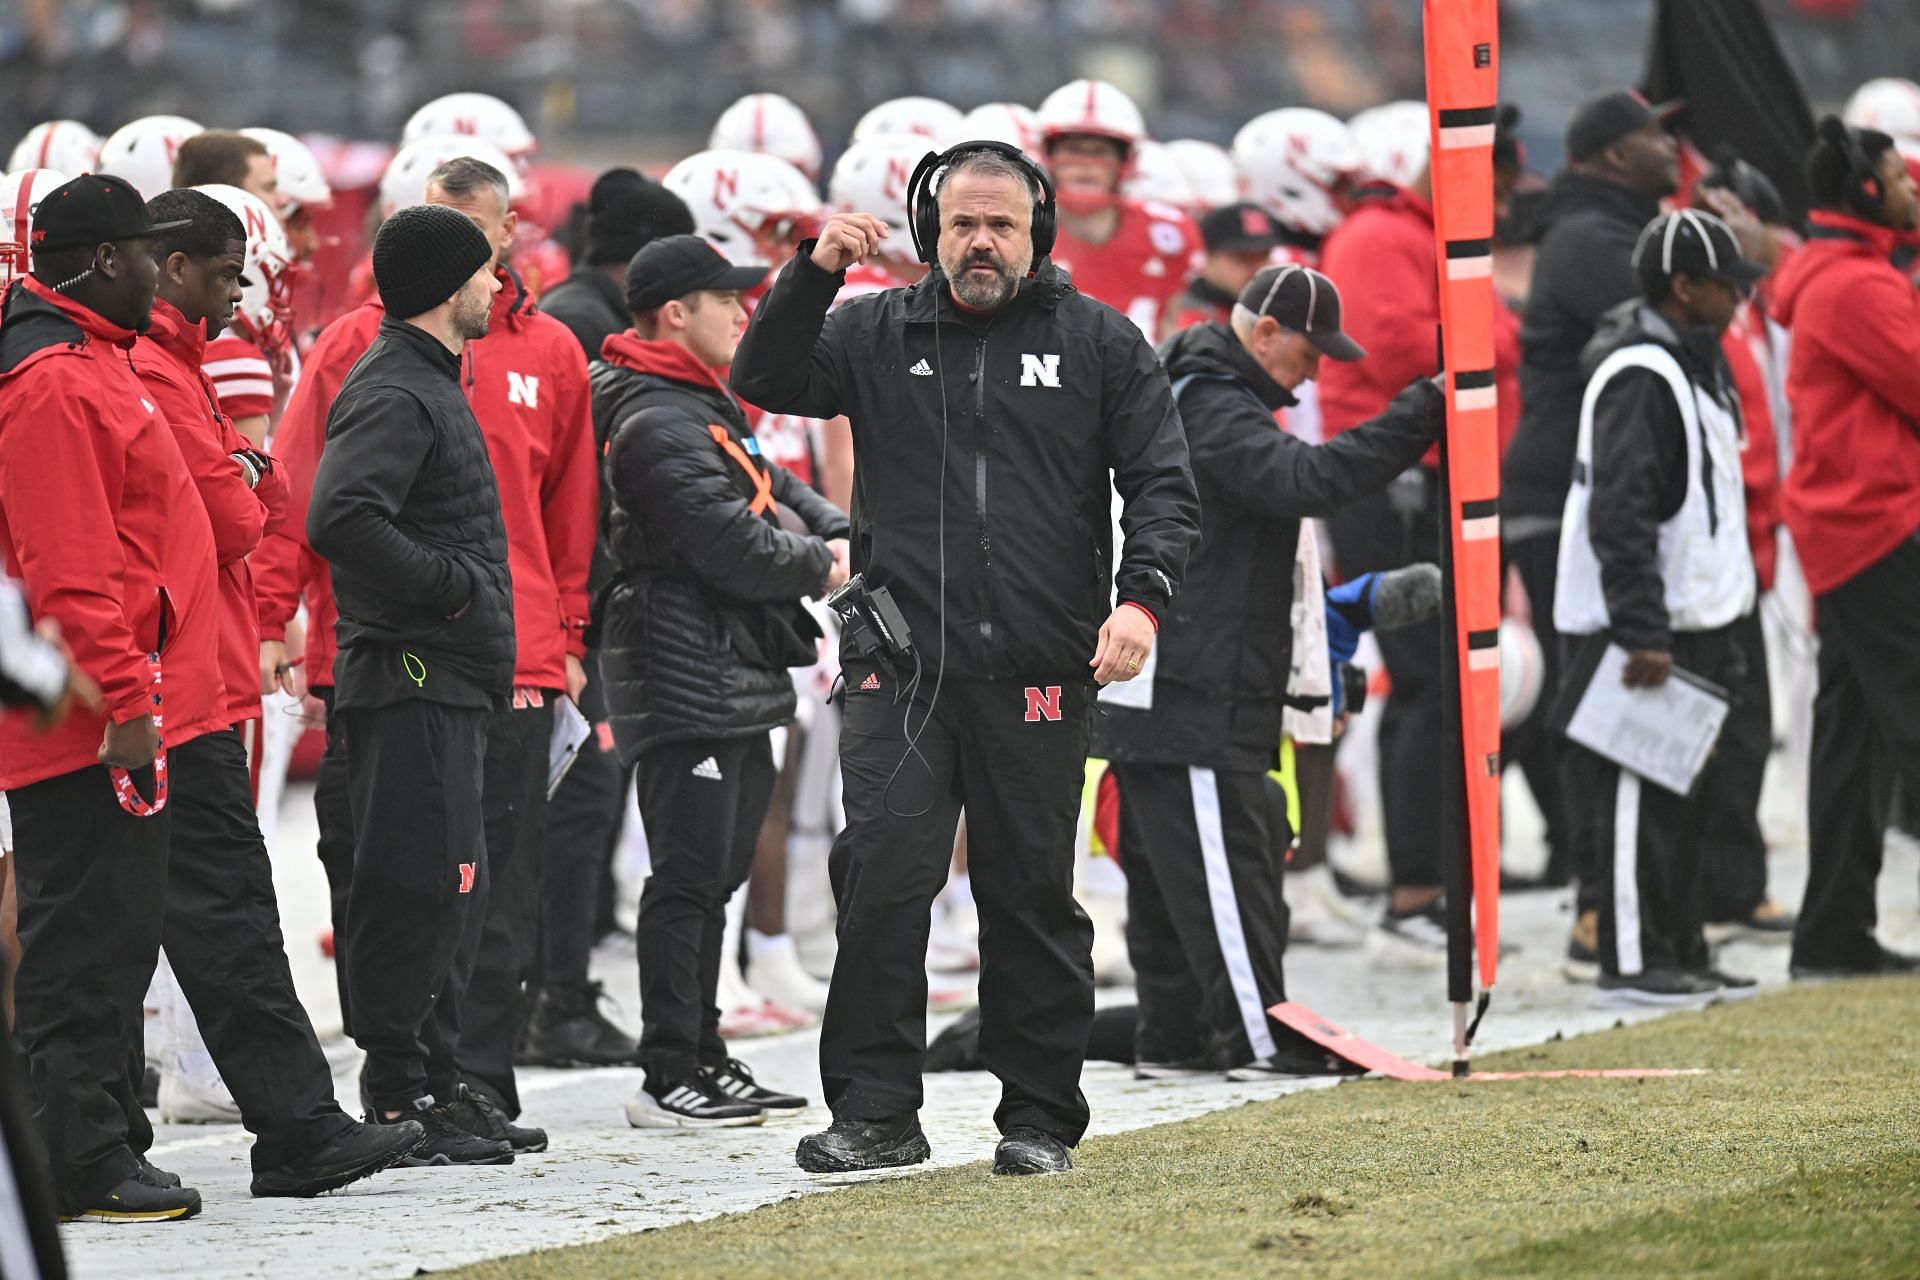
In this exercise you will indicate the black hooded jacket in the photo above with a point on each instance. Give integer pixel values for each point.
(1585, 228)
(1224, 651)
(1035, 405)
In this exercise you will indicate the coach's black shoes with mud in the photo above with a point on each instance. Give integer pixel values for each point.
(447, 1142)
(356, 1153)
(477, 1113)
(1026, 1150)
(852, 1146)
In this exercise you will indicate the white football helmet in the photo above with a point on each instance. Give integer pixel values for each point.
(303, 183)
(1091, 106)
(265, 314)
(65, 146)
(743, 202)
(1007, 122)
(1889, 104)
(473, 115)
(142, 152)
(771, 125)
(872, 177)
(1156, 175)
(20, 195)
(1392, 141)
(405, 181)
(1209, 170)
(1293, 162)
(930, 119)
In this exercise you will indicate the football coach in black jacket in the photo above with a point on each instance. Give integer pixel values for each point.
(406, 512)
(1206, 924)
(989, 404)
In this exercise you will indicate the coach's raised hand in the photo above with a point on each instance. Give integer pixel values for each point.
(847, 238)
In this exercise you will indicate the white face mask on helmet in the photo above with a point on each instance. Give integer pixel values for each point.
(265, 314)
(405, 181)
(473, 115)
(771, 125)
(20, 195)
(303, 183)
(872, 176)
(1293, 162)
(744, 203)
(1889, 104)
(143, 151)
(64, 146)
(929, 119)
(1392, 141)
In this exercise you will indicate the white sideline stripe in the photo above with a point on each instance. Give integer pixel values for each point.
(251, 366)
(1226, 911)
(1626, 877)
(1467, 399)
(1466, 135)
(1480, 530)
(236, 387)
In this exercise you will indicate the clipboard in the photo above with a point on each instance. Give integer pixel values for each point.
(1664, 735)
(570, 733)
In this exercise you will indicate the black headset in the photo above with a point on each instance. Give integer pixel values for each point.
(1864, 190)
(923, 204)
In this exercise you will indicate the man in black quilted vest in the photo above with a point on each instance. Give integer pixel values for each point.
(405, 511)
(715, 548)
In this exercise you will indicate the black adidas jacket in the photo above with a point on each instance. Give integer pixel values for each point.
(1036, 403)
(1225, 649)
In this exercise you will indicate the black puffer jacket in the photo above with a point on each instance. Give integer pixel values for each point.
(1225, 649)
(703, 617)
(1037, 405)
(405, 510)
(1586, 229)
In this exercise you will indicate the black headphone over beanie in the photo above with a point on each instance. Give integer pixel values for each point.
(923, 205)
(1863, 191)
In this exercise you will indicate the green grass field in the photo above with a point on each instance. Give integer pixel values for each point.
(1799, 1155)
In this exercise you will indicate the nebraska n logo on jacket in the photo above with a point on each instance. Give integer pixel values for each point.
(1040, 371)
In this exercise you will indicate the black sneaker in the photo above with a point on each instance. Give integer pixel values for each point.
(480, 1116)
(567, 1029)
(694, 1103)
(1655, 989)
(446, 1141)
(1026, 1150)
(852, 1146)
(1885, 963)
(137, 1200)
(1185, 1069)
(735, 1081)
(358, 1151)
(1733, 986)
(153, 1175)
(1295, 1061)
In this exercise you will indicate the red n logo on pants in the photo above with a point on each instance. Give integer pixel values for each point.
(1043, 704)
(468, 870)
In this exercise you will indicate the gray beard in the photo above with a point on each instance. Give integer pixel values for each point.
(983, 295)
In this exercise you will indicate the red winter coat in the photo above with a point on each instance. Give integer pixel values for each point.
(1382, 258)
(1749, 357)
(169, 359)
(100, 521)
(1853, 378)
(527, 383)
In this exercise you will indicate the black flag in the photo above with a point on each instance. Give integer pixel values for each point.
(1721, 58)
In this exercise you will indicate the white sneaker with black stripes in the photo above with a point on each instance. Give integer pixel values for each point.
(694, 1103)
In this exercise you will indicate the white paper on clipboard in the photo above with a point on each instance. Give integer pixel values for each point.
(570, 733)
(1665, 735)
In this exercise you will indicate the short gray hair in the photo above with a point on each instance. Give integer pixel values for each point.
(464, 177)
(991, 164)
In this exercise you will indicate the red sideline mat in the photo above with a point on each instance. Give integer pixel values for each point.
(1363, 1053)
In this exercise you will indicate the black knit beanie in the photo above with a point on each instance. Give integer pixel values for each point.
(422, 255)
(629, 211)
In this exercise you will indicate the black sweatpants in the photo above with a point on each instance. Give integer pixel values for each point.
(92, 881)
(1533, 745)
(1643, 841)
(1206, 919)
(1866, 733)
(333, 810)
(703, 803)
(583, 824)
(1012, 753)
(223, 940)
(1733, 851)
(1382, 531)
(488, 985)
(414, 772)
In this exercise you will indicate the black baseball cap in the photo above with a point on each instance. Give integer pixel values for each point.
(1692, 242)
(1305, 301)
(96, 208)
(1239, 228)
(1611, 117)
(675, 266)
